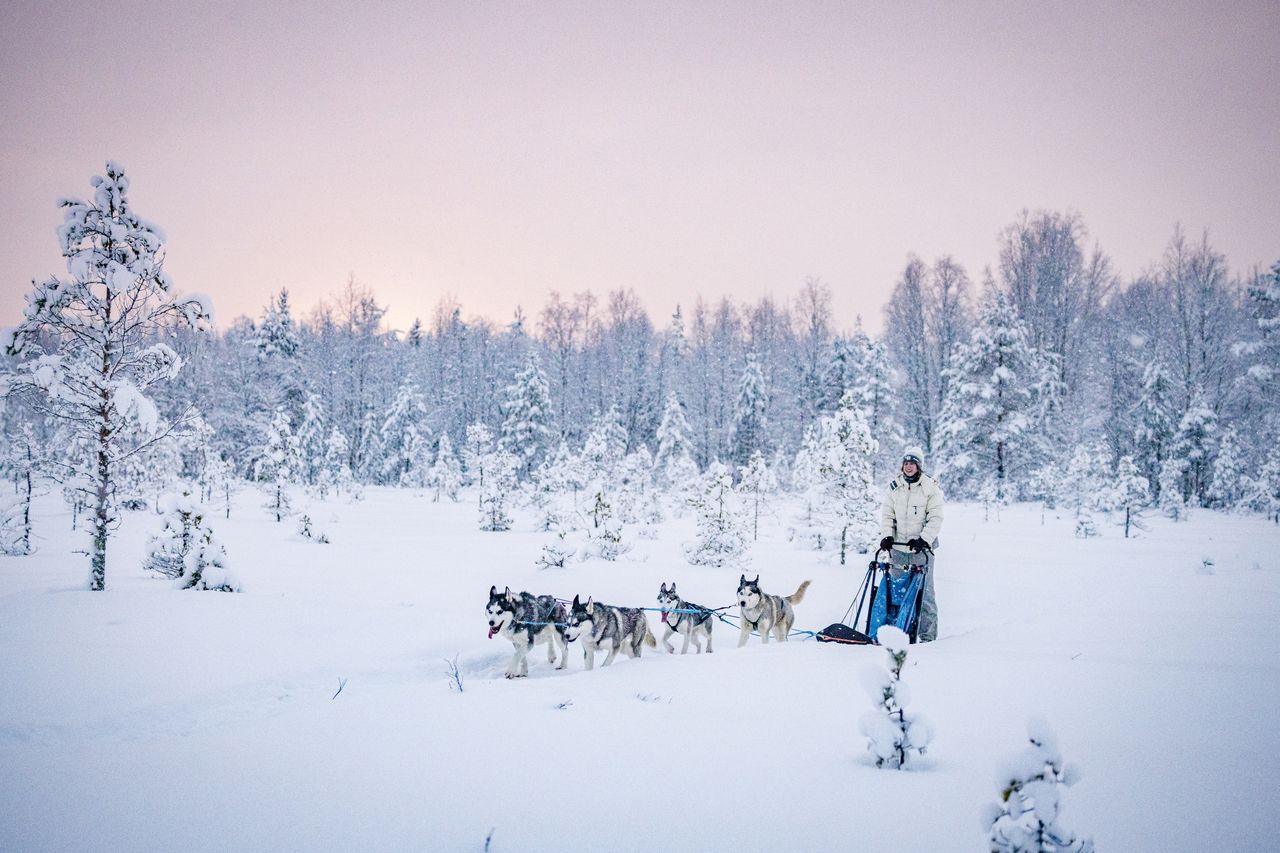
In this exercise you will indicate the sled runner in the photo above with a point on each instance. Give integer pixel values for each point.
(892, 601)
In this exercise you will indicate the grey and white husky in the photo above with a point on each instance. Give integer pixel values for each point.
(677, 620)
(526, 621)
(766, 613)
(601, 627)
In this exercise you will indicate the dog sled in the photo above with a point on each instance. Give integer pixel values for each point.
(888, 600)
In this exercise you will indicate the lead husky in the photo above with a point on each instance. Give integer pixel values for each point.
(766, 613)
(600, 626)
(691, 624)
(527, 621)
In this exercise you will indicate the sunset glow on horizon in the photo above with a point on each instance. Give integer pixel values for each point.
(496, 153)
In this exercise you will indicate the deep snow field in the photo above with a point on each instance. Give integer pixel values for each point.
(150, 719)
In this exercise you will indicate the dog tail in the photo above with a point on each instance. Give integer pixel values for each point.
(649, 640)
(798, 596)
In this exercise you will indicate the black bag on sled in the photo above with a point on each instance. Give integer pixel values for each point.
(841, 633)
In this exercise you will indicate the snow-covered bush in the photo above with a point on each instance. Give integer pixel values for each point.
(307, 530)
(555, 553)
(894, 735)
(185, 548)
(1025, 820)
(604, 528)
(445, 476)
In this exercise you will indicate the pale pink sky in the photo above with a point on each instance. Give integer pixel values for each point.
(497, 151)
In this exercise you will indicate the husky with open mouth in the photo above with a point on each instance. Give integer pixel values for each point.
(601, 627)
(677, 619)
(766, 613)
(526, 621)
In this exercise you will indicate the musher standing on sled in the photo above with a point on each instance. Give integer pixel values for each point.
(912, 513)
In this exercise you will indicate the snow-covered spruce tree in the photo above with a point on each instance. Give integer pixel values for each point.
(634, 484)
(445, 476)
(604, 447)
(526, 425)
(477, 450)
(894, 735)
(1227, 481)
(673, 464)
(1082, 485)
(276, 466)
(98, 322)
(989, 418)
(220, 482)
(1025, 820)
(277, 334)
(876, 398)
(1172, 473)
(723, 537)
(845, 449)
(498, 491)
(808, 480)
(405, 438)
(185, 548)
(1263, 491)
(757, 483)
(335, 472)
(1261, 349)
(1129, 494)
(311, 434)
(1194, 444)
(1156, 424)
(749, 415)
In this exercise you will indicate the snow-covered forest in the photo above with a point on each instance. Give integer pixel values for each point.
(1046, 376)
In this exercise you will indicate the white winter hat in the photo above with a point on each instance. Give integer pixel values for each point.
(914, 454)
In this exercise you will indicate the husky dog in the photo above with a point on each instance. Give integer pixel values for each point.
(765, 613)
(692, 625)
(527, 621)
(600, 626)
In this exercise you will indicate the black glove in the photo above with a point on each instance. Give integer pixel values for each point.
(917, 545)
(886, 544)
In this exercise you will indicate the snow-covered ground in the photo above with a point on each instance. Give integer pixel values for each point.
(146, 718)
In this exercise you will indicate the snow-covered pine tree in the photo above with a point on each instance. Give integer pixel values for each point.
(722, 537)
(477, 450)
(1261, 350)
(277, 334)
(1082, 485)
(405, 438)
(850, 498)
(526, 425)
(675, 451)
(894, 735)
(604, 447)
(809, 482)
(445, 477)
(750, 423)
(415, 334)
(279, 461)
(1025, 819)
(1173, 473)
(989, 417)
(757, 482)
(1128, 493)
(876, 398)
(1263, 490)
(498, 491)
(185, 548)
(1227, 481)
(312, 432)
(335, 472)
(634, 484)
(99, 321)
(1193, 444)
(1156, 424)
